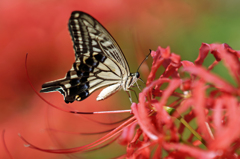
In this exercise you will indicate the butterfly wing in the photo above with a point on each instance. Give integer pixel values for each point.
(99, 60)
(94, 37)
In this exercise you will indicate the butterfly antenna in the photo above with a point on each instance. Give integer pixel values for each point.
(144, 59)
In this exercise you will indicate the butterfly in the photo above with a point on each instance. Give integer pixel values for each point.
(99, 62)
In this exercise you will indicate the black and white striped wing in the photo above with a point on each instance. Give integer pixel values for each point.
(99, 61)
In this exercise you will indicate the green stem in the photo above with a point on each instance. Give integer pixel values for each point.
(181, 119)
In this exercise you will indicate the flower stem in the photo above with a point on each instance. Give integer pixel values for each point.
(181, 119)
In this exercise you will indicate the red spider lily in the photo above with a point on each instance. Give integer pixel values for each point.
(198, 94)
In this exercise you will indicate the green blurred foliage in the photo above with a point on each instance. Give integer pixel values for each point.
(183, 28)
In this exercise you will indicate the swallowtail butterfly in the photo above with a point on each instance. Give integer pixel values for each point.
(99, 62)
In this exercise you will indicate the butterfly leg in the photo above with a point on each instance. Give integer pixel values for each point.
(134, 93)
(129, 96)
(138, 86)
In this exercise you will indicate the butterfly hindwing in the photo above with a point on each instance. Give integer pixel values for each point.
(83, 79)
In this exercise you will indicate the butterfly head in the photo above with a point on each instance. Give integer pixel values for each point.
(135, 75)
(132, 79)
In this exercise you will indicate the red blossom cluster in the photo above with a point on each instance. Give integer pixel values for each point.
(201, 95)
(184, 92)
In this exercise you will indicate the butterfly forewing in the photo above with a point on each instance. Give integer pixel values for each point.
(99, 61)
(89, 36)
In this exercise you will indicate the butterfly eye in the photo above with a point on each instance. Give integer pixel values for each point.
(137, 74)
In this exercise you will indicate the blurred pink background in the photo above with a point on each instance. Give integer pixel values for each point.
(39, 28)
